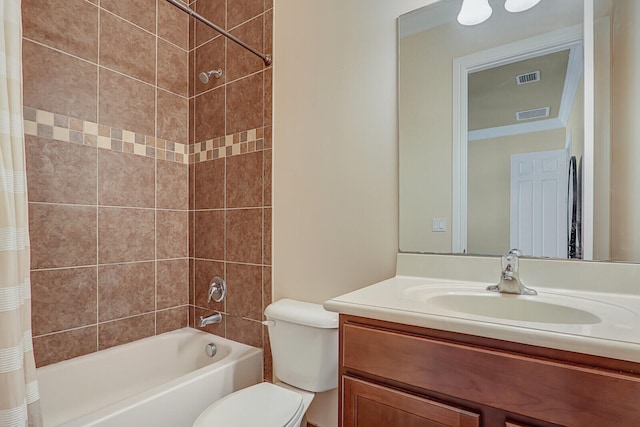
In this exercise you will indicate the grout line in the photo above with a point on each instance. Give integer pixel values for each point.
(155, 187)
(98, 184)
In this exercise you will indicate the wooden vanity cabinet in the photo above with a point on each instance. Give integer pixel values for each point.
(400, 375)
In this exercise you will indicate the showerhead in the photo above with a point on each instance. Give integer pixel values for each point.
(205, 76)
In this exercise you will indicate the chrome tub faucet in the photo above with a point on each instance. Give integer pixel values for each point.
(214, 318)
(510, 282)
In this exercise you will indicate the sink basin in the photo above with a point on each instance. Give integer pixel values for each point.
(513, 307)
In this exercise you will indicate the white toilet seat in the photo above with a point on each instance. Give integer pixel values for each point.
(262, 404)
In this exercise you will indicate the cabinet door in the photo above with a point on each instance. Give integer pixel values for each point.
(366, 404)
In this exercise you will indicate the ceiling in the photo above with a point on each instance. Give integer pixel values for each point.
(495, 96)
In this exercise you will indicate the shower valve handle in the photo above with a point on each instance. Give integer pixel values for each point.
(217, 289)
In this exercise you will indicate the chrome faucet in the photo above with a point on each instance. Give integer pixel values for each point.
(214, 318)
(510, 282)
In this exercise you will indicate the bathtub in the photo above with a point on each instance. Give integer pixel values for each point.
(161, 381)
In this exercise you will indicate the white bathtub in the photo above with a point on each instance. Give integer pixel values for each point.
(161, 381)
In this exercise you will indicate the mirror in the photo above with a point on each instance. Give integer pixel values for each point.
(476, 180)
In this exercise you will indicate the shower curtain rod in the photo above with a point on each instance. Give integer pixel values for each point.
(266, 58)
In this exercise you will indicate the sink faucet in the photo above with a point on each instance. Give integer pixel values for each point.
(510, 282)
(214, 318)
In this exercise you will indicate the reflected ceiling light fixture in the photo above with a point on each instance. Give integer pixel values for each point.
(520, 5)
(474, 12)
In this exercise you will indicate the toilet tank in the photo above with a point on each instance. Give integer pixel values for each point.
(304, 344)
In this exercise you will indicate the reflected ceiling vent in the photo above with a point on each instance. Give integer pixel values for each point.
(525, 78)
(532, 114)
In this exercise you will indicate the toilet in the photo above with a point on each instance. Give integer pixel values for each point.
(304, 345)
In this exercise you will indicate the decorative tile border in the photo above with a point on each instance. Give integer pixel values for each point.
(226, 146)
(69, 129)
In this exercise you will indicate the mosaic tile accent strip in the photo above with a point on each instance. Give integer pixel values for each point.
(226, 146)
(69, 129)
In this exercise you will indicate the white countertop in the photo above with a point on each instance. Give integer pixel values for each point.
(410, 300)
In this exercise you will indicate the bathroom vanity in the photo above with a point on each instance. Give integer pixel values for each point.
(413, 376)
(408, 357)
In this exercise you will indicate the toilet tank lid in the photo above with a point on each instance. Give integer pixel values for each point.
(302, 313)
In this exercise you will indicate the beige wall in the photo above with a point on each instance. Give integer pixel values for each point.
(625, 199)
(335, 156)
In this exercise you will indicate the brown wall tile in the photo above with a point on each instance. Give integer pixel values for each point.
(244, 285)
(244, 235)
(140, 12)
(127, 48)
(62, 235)
(241, 62)
(209, 184)
(172, 319)
(214, 11)
(267, 291)
(173, 117)
(71, 26)
(63, 299)
(59, 172)
(125, 179)
(244, 104)
(172, 185)
(127, 330)
(192, 118)
(192, 78)
(173, 282)
(266, 247)
(244, 331)
(268, 30)
(173, 24)
(125, 290)
(172, 234)
(268, 99)
(244, 180)
(126, 103)
(125, 235)
(192, 180)
(210, 115)
(267, 177)
(209, 235)
(192, 280)
(58, 83)
(268, 138)
(210, 56)
(239, 11)
(55, 348)
(173, 68)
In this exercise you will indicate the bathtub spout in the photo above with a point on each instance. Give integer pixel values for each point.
(214, 318)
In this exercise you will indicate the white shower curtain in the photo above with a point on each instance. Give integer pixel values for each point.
(19, 399)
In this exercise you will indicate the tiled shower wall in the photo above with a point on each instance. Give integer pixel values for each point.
(230, 172)
(125, 156)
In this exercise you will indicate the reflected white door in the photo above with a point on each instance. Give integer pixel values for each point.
(539, 203)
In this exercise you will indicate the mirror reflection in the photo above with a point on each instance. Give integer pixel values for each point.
(475, 179)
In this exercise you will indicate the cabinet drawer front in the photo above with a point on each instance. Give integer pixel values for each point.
(555, 392)
(366, 404)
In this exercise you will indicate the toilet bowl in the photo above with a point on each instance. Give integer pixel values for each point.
(304, 345)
